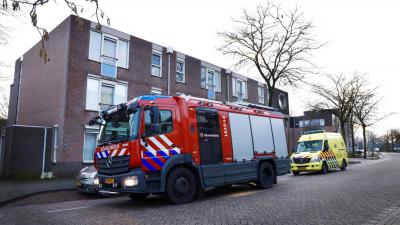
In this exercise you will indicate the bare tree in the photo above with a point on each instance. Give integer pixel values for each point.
(277, 42)
(4, 106)
(338, 96)
(366, 109)
(10, 7)
(372, 140)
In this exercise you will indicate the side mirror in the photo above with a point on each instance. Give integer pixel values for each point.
(154, 115)
(144, 139)
(92, 122)
(326, 146)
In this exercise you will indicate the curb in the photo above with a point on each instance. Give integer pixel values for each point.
(11, 200)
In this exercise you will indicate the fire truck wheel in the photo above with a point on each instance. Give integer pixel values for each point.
(135, 196)
(265, 176)
(181, 186)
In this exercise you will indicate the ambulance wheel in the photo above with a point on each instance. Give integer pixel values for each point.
(344, 165)
(266, 176)
(295, 173)
(181, 186)
(324, 169)
(135, 196)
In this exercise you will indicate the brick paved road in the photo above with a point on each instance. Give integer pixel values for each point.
(367, 193)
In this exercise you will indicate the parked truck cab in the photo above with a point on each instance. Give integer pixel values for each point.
(319, 151)
(178, 146)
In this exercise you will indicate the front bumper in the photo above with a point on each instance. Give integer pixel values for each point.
(117, 182)
(306, 167)
(84, 186)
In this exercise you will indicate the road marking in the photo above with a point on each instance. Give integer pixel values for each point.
(239, 194)
(68, 209)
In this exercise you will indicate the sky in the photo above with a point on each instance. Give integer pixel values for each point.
(361, 35)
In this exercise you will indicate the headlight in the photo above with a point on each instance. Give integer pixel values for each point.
(131, 181)
(96, 181)
(315, 159)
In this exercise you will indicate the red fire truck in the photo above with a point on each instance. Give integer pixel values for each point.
(181, 145)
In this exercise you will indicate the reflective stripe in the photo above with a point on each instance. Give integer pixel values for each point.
(114, 153)
(158, 144)
(104, 154)
(122, 152)
(165, 139)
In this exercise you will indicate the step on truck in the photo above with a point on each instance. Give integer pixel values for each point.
(181, 145)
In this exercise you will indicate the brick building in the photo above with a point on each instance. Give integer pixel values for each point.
(90, 70)
(311, 121)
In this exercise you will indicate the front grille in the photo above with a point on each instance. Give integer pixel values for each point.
(119, 165)
(301, 160)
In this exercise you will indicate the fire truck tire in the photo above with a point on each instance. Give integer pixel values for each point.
(266, 176)
(181, 186)
(135, 196)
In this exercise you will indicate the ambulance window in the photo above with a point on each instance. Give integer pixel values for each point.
(166, 125)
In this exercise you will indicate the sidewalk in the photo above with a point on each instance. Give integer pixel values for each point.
(357, 160)
(10, 190)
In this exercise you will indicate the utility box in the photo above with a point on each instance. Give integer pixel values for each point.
(23, 151)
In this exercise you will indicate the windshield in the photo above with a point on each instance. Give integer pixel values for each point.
(119, 127)
(309, 146)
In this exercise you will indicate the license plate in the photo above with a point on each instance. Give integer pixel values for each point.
(109, 181)
(78, 183)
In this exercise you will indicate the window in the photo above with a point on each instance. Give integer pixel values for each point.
(239, 88)
(210, 79)
(156, 60)
(166, 124)
(55, 143)
(156, 91)
(180, 70)
(101, 94)
(108, 59)
(107, 95)
(322, 122)
(261, 94)
(89, 144)
(110, 51)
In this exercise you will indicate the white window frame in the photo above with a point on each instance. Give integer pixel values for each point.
(92, 129)
(261, 98)
(106, 83)
(155, 91)
(156, 52)
(112, 38)
(183, 72)
(118, 40)
(215, 83)
(235, 86)
(55, 143)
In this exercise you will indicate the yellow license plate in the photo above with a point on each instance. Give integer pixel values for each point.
(109, 181)
(78, 183)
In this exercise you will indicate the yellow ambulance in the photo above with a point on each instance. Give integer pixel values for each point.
(319, 151)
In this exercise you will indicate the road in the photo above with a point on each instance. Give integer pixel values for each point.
(366, 193)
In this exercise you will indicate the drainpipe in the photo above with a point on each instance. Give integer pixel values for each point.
(227, 84)
(169, 52)
(19, 89)
(44, 153)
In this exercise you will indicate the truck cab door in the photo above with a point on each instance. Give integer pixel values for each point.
(158, 146)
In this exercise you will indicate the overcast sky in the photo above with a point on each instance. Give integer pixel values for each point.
(362, 36)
